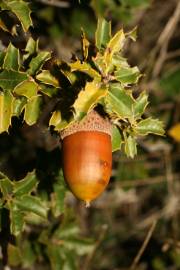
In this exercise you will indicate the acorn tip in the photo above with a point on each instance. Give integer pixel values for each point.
(87, 204)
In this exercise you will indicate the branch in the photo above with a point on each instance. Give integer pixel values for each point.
(144, 245)
(164, 39)
(55, 3)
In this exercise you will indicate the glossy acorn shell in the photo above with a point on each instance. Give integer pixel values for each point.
(87, 162)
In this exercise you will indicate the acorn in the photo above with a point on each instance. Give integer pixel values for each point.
(87, 156)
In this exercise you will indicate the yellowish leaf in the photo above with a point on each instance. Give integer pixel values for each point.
(114, 46)
(85, 45)
(55, 118)
(6, 110)
(88, 98)
(174, 132)
(86, 68)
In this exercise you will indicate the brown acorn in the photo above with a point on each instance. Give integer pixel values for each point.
(87, 156)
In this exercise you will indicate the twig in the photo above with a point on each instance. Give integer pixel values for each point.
(169, 173)
(56, 3)
(173, 54)
(164, 39)
(144, 245)
(148, 181)
(91, 255)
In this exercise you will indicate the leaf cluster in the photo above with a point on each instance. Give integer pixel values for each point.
(28, 207)
(109, 84)
(102, 77)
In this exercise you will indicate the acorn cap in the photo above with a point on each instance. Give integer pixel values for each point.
(91, 122)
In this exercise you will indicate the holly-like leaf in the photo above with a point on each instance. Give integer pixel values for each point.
(11, 59)
(55, 118)
(70, 76)
(115, 45)
(127, 75)
(31, 48)
(22, 11)
(86, 68)
(88, 98)
(149, 125)
(9, 79)
(6, 186)
(116, 139)
(59, 123)
(120, 102)
(28, 89)
(85, 45)
(48, 90)
(31, 204)
(26, 185)
(46, 77)
(38, 61)
(16, 217)
(6, 110)
(32, 110)
(140, 104)
(18, 105)
(130, 146)
(119, 62)
(57, 198)
(103, 33)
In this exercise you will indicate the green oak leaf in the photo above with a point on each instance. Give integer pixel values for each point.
(17, 219)
(140, 104)
(6, 110)
(28, 88)
(47, 78)
(103, 33)
(130, 146)
(58, 196)
(119, 101)
(127, 75)
(6, 186)
(86, 68)
(32, 110)
(48, 90)
(114, 46)
(18, 106)
(116, 139)
(26, 185)
(149, 125)
(88, 98)
(22, 11)
(11, 59)
(31, 203)
(10, 78)
(59, 123)
(31, 48)
(38, 61)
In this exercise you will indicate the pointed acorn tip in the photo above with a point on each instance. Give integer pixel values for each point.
(87, 204)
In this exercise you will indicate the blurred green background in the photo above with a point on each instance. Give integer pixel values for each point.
(143, 194)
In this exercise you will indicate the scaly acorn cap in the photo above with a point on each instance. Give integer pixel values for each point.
(93, 121)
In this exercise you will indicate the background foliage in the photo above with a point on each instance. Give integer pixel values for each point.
(58, 232)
